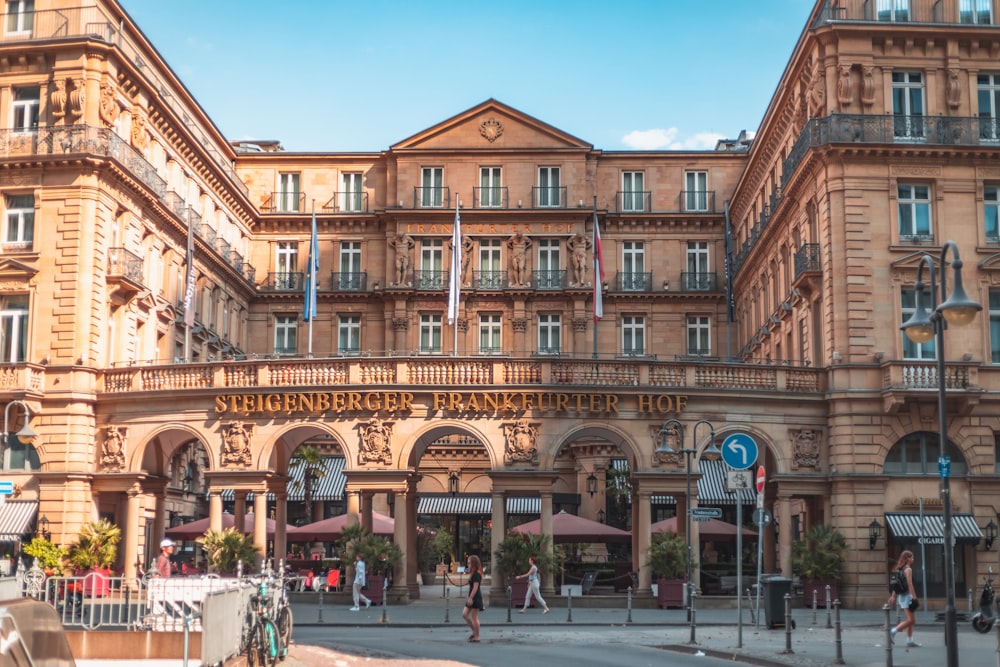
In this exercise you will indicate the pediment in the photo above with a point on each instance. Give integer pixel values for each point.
(491, 125)
(15, 272)
(911, 261)
(991, 263)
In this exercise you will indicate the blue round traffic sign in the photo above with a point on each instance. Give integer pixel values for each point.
(739, 451)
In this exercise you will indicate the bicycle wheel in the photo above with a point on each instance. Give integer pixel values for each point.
(271, 642)
(255, 646)
(285, 628)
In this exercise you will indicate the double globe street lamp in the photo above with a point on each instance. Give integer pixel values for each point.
(956, 309)
(711, 453)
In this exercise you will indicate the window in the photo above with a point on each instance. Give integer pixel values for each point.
(288, 193)
(13, 329)
(995, 326)
(490, 188)
(549, 334)
(974, 11)
(699, 339)
(432, 187)
(917, 454)
(349, 334)
(548, 187)
(25, 108)
(285, 339)
(20, 15)
(698, 276)
(350, 276)
(991, 208)
(914, 212)
(430, 334)
(633, 276)
(286, 265)
(352, 193)
(633, 335)
(908, 105)
(491, 271)
(431, 275)
(489, 334)
(20, 456)
(20, 220)
(911, 350)
(988, 94)
(633, 194)
(696, 191)
(892, 10)
(549, 275)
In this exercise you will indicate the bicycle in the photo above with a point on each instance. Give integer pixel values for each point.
(283, 616)
(263, 641)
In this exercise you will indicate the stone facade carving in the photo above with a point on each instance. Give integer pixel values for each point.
(401, 323)
(805, 448)
(954, 88)
(578, 245)
(113, 448)
(375, 443)
(673, 441)
(868, 85)
(108, 105)
(58, 99)
(520, 443)
(519, 324)
(236, 444)
(817, 94)
(77, 98)
(140, 137)
(845, 87)
(491, 129)
(580, 324)
(402, 244)
(518, 245)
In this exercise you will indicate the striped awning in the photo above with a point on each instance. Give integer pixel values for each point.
(911, 528)
(17, 519)
(712, 488)
(328, 487)
(474, 503)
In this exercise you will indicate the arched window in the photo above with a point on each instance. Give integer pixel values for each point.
(917, 454)
(20, 456)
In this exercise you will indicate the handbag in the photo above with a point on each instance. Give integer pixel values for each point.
(914, 604)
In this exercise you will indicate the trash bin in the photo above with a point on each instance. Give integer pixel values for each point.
(774, 591)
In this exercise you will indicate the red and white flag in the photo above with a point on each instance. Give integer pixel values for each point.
(598, 271)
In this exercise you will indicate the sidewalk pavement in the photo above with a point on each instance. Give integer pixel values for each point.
(812, 642)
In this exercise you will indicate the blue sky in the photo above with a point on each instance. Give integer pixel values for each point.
(333, 76)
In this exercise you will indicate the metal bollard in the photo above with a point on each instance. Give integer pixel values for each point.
(815, 594)
(888, 636)
(970, 600)
(788, 624)
(569, 607)
(510, 598)
(694, 613)
(446, 606)
(838, 638)
(628, 605)
(319, 617)
(829, 618)
(753, 617)
(385, 601)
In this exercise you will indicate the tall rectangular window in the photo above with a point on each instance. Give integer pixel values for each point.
(430, 333)
(698, 273)
(491, 270)
(633, 335)
(908, 105)
(549, 274)
(988, 97)
(914, 212)
(549, 189)
(489, 334)
(549, 334)
(633, 191)
(285, 338)
(288, 194)
(20, 220)
(633, 266)
(27, 100)
(490, 187)
(975, 11)
(699, 339)
(351, 192)
(431, 262)
(13, 329)
(286, 265)
(911, 350)
(20, 15)
(892, 10)
(432, 187)
(349, 334)
(995, 326)
(696, 191)
(991, 213)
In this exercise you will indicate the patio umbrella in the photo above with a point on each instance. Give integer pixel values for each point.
(572, 528)
(195, 529)
(713, 529)
(329, 529)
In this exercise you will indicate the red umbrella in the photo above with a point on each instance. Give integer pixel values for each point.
(713, 529)
(329, 529)
(573, 528)
(195, 529)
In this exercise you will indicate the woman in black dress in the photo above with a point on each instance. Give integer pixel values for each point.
(474, 603)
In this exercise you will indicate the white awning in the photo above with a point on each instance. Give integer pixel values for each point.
(911, 528)
(475, 503)
(17, 519)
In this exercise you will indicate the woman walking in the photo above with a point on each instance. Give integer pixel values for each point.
(906, 600)
(534, 586)
(474, 603)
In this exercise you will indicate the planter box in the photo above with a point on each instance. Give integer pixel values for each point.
(670, 593)
(375, 589)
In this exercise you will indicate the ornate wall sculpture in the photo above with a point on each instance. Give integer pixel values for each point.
(817, 93)
(845, 87)
(868, 85)
(375, 444)
(954, 88)
(673, 441)
(236, 444)
(77, 98)
(491, 129)
(113, 448)
(140, 137)
(108, 106)
(520, 443)
(58, 98)
(805, 449)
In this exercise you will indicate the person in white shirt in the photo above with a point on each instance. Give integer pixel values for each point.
(359, 583)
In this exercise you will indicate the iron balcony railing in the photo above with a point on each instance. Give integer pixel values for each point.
(490, 280)
(431, 197)
(633, 282)
(549, 280)
(349, 282)
(346, 202)
(634, 201)
(698, 201)
(807, 259)
(285, 201)
(125, 263)
(904, 11)
(549, 197)
(490, 197)
(430, 280)
(285, 282)
(699, 281)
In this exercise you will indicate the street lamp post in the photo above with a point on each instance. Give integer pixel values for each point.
(711, 452)
(959, 310)
(25, 435)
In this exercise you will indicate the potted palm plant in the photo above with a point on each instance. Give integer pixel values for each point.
(93, 553)
(511, 560)
(668, 559)
(819, 558)
(380, 554)
(225, 549)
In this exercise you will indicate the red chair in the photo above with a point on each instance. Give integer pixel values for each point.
(333, 580)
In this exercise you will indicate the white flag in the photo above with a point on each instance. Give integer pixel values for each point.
(455, 279)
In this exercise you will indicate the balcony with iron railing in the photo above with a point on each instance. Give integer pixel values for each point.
(707, 281)
(697, 201)
(807, 260)
(638, 281)
(431, 197)
(490, 197)
(549, 280)
(907, 12)
(125, 264)
(284, 282)
(489, 280)
(287, 201)
(549, 197)
(349, 281)
(346, 202)
(430, 280)
(633, 201)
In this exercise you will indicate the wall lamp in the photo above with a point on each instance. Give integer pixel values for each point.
(601, 515)
(43, 528)
(991, 534)
(592, 485)
(25, 436)
(453, 483)
(874, 532)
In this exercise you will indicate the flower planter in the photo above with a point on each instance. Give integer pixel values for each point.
(670, 593)
(374, 592)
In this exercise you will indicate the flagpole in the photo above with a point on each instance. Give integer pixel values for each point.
(455, 277)
(189, 291)
(311, 288)
(597, 277)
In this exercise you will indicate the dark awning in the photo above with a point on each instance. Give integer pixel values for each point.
(17, 517)
(912, 528)
(712, 488)
(475, 503)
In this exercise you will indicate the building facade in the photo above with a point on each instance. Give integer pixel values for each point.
(160, 338)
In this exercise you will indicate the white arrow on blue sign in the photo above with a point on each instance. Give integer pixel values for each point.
(739, 451)
(6, 488)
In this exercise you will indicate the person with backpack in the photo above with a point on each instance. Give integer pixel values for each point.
(901, 592)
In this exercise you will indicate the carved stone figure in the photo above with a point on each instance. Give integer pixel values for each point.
(140, 138)
(59, 98)
(403, 244)
(954, 88)
(236, 444)
(673, 441)
(108, 106)
(845, 87)
(519, 245)
(805, 449)
(817, 94)
(77, 97)
(113, 454)
(491, 129)
(521, 443)
(578, 245)
(375, 444)
(868, 85)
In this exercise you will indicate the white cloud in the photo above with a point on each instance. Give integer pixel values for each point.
(660, 139)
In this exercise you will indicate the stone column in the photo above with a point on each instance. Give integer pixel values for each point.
(280, 525)
(353, 507)
(215, 510)
(132, 512)
(785, 547)
(405, 535)
(640, 531)
(546, 528)
(366, 509)
(498, 586)
(260, 525)
(240, 510)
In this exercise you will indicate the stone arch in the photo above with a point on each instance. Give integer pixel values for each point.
(277, 451)
(775, 459)
(618, 437)
(413, 449)
(153, 453)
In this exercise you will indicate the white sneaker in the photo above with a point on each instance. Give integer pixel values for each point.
(355, 609)
(913, 644)
(368, 603)
(892, 636)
